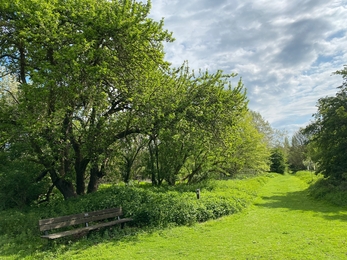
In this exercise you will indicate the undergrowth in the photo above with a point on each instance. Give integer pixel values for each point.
(150, 207)
(321, 188)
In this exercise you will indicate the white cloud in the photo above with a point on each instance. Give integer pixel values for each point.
(285, 50)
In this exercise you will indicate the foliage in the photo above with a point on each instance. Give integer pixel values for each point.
(327, 189)
(191, 115)
(83, 68)
(91, 96)
(277, 161)
(297, 156)
(264, 128)
(328, 133)
(281, 215)
(249, 150)
(308, 177)
(18, 186)
(149, 206)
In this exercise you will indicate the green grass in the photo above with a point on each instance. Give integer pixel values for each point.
(284, 223)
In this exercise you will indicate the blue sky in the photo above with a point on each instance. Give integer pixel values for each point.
(284, 50)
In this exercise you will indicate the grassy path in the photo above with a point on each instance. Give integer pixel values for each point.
(283, 224)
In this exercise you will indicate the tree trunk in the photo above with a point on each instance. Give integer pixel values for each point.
(66, 188)
(151, 162)
(95, 176)
(80, 169)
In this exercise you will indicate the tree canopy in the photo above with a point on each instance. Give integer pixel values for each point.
(328, 133)
(86, 93)
(81, 66)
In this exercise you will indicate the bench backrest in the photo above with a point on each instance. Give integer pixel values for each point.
(64, 221)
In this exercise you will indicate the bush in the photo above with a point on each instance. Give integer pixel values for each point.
(327, 189)
(18, 187)
(148, 206)
(308, 176)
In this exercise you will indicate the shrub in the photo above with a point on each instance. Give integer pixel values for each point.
(327, 189)
(148, 206)
(18, 187)
(308, 176)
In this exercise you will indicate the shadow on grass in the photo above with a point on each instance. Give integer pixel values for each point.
(300, 201)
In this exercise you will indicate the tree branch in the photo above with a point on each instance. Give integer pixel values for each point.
(41, 176)
(127, 132)
(8, 55)
(12, 95)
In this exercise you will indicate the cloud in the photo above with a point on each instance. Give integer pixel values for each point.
(285, 50)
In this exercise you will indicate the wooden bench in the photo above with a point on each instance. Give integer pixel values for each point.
(89, 219)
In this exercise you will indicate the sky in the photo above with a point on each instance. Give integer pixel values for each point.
(285, 50)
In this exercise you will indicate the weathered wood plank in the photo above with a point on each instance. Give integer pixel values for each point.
(85, 229)
(81, 218)
(75, 219)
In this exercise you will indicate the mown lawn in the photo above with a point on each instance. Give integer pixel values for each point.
(284, 223)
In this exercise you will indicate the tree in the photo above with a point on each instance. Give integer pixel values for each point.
(84, 67)
(297, 157)
(277, 161)
(193, 113)
(328, 133)
(93, 91)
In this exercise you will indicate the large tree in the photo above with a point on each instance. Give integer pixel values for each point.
(328, 133)
(191, 116)
(83, 68)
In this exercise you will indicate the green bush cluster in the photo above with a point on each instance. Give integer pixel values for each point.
(327, 189)
(309, 177)
(148, 206)
(18, 187)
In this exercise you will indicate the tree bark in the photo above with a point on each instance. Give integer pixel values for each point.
(95, 176)
(65, 187)
(80, 169)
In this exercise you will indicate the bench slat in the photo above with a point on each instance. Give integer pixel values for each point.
(85, 229)
(64, 221)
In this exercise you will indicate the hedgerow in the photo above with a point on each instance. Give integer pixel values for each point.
(148, 206)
